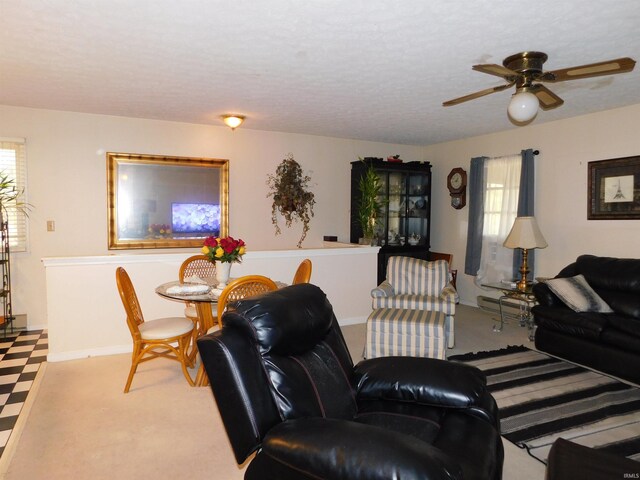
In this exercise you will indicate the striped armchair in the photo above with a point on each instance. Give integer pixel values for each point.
(414, 284)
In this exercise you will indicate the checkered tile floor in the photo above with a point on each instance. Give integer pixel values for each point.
(21, 354)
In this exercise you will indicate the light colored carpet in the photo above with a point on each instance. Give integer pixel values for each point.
(82, 426)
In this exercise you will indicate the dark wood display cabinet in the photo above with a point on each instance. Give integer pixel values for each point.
(403, 227)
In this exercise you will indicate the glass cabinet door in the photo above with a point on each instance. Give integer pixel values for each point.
(405, 209)
(417, 209)
(396, 231)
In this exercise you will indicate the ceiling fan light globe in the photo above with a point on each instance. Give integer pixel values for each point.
(523, 107)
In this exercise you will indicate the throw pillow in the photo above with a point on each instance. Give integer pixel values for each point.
(578, 295)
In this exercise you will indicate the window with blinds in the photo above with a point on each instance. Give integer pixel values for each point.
(13, 166)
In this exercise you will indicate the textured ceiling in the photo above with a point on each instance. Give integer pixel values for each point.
(364, 69)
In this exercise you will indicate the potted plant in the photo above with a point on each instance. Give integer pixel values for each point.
(8, 195)
(291, 198)
(369, 204)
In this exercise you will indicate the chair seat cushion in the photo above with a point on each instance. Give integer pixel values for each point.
(190, 311)
(165, 328)
(420, 421)
(417, 302)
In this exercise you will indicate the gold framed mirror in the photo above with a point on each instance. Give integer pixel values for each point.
(156, 201)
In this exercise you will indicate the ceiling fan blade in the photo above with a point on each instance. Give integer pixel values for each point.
(497, 70)
(479, 94)
(546, 97)
(610, 67)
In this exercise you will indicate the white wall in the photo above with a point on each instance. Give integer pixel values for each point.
(566, 147)
(67, 183)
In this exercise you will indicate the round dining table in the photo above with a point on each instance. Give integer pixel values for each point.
(204, 303)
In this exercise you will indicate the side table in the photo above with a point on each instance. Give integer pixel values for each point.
(526, 300)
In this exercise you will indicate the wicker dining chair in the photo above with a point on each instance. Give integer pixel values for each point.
(198, 265)
(203, 268)
(164, 337)
(243, 287)
(303, 273)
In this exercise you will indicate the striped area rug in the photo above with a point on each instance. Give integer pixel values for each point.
(541, 398)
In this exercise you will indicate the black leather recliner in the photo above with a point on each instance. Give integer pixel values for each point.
(287, 388)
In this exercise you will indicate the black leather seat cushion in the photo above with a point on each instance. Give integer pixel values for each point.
(628, 325)
(619, 339)
(585, 324)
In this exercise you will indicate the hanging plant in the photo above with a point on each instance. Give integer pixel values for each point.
(291, 198)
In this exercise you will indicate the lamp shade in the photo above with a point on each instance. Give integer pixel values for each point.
(525, 233)
(233, 121)
(523, 106)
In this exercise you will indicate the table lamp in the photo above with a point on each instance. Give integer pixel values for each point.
(524, 234)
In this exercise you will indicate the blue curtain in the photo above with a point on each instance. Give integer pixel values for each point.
(476, 211)
(525, 208)
(476, 216)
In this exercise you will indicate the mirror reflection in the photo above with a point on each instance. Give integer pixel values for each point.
(159, 201)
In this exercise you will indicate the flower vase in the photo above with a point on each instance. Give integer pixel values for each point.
(223, 269)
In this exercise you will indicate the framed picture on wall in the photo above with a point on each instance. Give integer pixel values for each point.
(614, 189)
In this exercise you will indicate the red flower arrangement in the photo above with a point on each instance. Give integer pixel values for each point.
(226, 249)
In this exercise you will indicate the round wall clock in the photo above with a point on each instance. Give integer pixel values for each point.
(457, 185)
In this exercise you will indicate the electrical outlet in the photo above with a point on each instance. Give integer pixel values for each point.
(51, 226)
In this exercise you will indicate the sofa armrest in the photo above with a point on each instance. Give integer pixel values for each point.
(545, 296)
(427, 381)
(334, 448)
(383, 290)
(449, 293)
(446, 304)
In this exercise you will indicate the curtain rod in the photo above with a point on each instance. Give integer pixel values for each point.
(536, 152)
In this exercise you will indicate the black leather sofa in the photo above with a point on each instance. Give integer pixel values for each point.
(609, 342)
(287, 389)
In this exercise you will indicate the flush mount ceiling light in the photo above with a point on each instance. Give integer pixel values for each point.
(233, 121)
(525, 71)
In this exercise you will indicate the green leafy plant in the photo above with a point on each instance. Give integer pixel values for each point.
(10, 196)
(291, 197)
(369, 205)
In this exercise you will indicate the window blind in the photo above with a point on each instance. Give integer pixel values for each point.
(13, 164)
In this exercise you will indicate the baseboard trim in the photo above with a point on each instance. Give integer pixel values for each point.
(352, 321)
(91, 352)
(119, 349)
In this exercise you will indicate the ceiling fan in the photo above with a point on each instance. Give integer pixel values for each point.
(524, 70)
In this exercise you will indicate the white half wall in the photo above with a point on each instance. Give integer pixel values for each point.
(86, 316)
